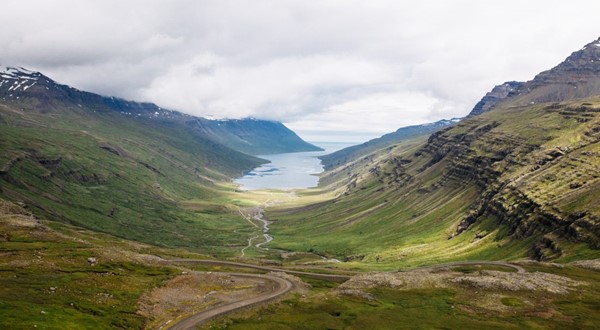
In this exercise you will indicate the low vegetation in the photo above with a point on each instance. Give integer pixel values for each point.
(70, 279)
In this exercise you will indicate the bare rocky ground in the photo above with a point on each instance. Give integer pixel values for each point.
(588, 264)
(486, 280)
(484, 292)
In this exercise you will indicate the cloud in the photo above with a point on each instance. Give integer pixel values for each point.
(281, 88)
(327, 68)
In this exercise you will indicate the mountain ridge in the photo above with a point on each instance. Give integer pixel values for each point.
(577, 77)
(247, 135)
(345, 155)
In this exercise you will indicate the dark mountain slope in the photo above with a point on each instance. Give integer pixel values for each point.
(252, 136)
(495, 96)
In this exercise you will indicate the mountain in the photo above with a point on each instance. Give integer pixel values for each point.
(517, 179)
(495, 96)
(348, 154)
(577, 77)
(131, 169)
(250, 136)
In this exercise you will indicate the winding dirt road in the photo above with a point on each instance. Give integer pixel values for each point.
(280, 287)
(331, 277)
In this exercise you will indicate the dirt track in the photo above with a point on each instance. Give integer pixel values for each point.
(331, 277)
(280, 287)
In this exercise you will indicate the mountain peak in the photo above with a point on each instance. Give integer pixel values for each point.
(15, 72)
(17, 79)
(592, 46)
(579, 66)
(577, 77)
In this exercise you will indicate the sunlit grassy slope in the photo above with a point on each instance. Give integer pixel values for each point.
(513, 183)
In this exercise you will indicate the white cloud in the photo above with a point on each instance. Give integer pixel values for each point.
(280, 88)
(371, 115)
(349, 68)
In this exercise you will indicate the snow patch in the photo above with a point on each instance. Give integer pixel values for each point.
(8, 72)
(26, 87)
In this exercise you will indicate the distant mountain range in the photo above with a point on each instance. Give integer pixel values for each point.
(251, 136)
(348, 154)
(255, 137)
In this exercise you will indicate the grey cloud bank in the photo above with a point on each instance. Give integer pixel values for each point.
(332, 70)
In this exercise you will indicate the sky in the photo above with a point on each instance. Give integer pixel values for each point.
(341, 70)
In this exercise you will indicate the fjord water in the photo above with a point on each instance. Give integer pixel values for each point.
(289, 170)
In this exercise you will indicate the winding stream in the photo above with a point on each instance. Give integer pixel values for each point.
(268, 238)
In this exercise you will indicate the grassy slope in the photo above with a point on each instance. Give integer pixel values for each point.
(401, 207)
(54, 162)
(47, 282)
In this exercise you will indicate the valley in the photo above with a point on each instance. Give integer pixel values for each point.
(119, 214)
(76, 278)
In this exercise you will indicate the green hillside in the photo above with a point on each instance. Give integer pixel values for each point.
(130, 169)
(106, 172)
(125, 168)
(509, 184)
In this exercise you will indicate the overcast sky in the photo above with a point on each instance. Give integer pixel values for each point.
(331, 70)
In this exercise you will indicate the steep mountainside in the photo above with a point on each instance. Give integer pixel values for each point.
(126, 168)
(349, 154)
(520, 180)
(27, 88)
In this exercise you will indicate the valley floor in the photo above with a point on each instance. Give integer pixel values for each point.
(62, 277)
